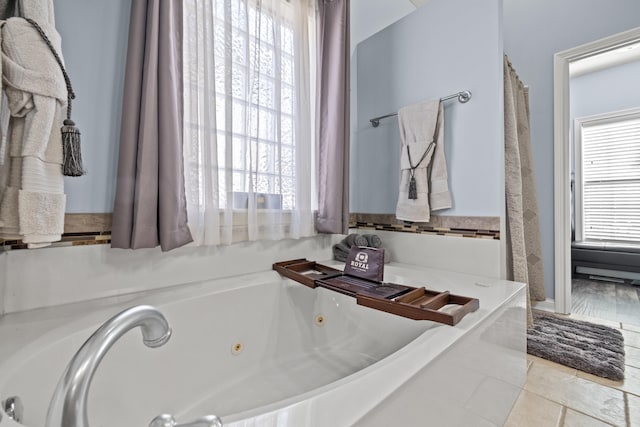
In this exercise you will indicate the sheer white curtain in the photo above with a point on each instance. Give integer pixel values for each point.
(248, 136)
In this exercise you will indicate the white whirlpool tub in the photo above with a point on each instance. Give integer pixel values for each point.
(259, 350)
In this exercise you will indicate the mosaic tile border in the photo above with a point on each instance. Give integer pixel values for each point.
(95, 229)
(79, 230)
(453, 226)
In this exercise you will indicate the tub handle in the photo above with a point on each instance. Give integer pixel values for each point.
(14, 409)
(166, 420)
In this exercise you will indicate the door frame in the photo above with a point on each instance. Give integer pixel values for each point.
(562, 159)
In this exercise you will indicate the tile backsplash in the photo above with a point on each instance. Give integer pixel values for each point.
(95, 229)
(455, 226)
(79, 230)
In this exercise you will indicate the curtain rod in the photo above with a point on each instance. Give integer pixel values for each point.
(463, 97)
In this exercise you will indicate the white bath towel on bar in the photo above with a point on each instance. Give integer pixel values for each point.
(420, 125)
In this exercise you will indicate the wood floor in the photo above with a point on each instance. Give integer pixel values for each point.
(605, 300)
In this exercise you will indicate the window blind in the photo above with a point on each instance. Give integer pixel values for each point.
(610, 151)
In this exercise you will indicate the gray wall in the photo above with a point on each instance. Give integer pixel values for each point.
(367, 18)
(425, 56)
(533, 32)
(94, 43)
(94, 37)
(370, 16)
(613, 89)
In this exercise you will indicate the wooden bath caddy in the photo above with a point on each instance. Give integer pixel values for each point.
(305, 272)
(405, 301)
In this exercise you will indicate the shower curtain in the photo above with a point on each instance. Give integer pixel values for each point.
(524, 251)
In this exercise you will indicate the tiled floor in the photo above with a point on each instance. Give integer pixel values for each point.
(557, 396)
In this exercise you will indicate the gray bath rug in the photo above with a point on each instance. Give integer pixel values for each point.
(595, 349)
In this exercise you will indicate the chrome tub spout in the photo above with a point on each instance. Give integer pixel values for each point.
(68, 407)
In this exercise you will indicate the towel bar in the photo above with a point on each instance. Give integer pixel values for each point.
(463, 97)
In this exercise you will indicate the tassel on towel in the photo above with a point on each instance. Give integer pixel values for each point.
(413, 188)
(72, 158)
(413, 191)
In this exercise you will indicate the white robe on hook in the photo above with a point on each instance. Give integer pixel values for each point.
(32, 199)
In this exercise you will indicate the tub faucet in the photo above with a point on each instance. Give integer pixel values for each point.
(13, 407)
(166, 420)
(68, 407)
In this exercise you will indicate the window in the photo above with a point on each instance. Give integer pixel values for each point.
(248, 107)
(608, 177)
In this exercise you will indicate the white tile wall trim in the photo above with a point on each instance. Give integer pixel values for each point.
(43, 278)
(473, 256)
(32, 279)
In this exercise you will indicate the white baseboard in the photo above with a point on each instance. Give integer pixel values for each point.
(547, 305)
(609, 273)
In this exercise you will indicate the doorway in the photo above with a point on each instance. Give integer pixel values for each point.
(563, 62)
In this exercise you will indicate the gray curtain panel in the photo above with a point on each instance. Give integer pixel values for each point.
(150, 204)
(8, 9)
(333, 116)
